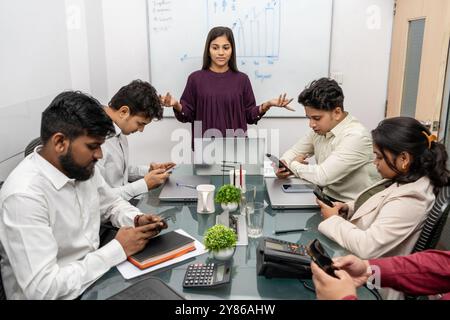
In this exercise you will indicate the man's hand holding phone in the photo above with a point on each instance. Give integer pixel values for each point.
(151, 218)
(135, 239)
(281, 172)
(166, 166)
(155, 178)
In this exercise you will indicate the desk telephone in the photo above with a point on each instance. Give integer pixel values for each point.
(282, 259)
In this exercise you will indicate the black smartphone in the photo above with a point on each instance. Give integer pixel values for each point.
(278, 163)
(297, 188)
(318, 254)
(323, 197)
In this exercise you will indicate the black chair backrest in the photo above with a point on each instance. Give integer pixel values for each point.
(33, 144)
(435, 222)
(2, 291)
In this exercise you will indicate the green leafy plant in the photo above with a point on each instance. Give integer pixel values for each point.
(219, 237)
(228, 194)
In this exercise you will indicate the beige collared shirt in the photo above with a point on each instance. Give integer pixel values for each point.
(343, 159)
(49, 231)
(116, 170)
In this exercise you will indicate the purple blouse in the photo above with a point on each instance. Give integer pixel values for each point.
(220, 100)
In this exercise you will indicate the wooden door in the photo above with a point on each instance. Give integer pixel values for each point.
(431, 65)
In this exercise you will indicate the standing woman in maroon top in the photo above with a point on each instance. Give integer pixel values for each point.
(219, 95)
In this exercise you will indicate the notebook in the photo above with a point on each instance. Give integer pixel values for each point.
(162, 248)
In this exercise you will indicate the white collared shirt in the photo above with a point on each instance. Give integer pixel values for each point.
(117, 172)
(49, 231)
(343, 159)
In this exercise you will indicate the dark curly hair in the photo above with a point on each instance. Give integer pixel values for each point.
(74, 114)
(141, 98)
(405, 134)
(323, 94)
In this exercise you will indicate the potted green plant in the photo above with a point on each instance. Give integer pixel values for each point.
(220, 241)
(228, 196)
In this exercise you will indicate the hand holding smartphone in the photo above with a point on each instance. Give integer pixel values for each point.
(318, 254)
(169, 171)
(278, 163)
(323, 197)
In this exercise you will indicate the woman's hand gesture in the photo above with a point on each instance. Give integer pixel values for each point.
(170, 102)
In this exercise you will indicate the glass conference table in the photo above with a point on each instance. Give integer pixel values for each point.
(245, 283)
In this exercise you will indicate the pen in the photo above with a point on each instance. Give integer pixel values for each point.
(276, 232)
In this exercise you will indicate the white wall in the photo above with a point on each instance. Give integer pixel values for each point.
(107, 48)
(360, 50)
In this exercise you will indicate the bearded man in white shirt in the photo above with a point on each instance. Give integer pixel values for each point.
(52, 205)
(342, 146)
(132, 108)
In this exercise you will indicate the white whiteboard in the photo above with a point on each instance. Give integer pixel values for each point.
(282, 45)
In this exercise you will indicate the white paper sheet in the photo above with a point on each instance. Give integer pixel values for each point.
(129, 271)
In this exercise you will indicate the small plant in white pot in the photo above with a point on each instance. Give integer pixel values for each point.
(228, 196)
(220, 241)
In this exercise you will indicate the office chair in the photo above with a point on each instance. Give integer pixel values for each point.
(2, 291)
(435, 221)
(432, 229)
(33, 144)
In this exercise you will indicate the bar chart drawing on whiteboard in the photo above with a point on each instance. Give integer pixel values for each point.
(255, 25)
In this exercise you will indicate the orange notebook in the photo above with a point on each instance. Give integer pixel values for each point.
(162, 248)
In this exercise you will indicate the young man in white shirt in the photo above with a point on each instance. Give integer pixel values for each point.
(52, 205)
(132, 108)
(342, 146)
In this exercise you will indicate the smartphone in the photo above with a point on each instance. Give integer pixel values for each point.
(318, 254)
(322, 197)
(170, 170)
(278, 163)
(297, 188)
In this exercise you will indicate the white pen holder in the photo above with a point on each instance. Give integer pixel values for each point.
(237, 174)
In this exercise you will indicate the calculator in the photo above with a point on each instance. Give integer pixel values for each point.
(202, 275)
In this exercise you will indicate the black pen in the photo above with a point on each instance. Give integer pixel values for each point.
(276, 232)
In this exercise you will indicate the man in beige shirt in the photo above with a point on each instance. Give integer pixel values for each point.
(342, 146)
